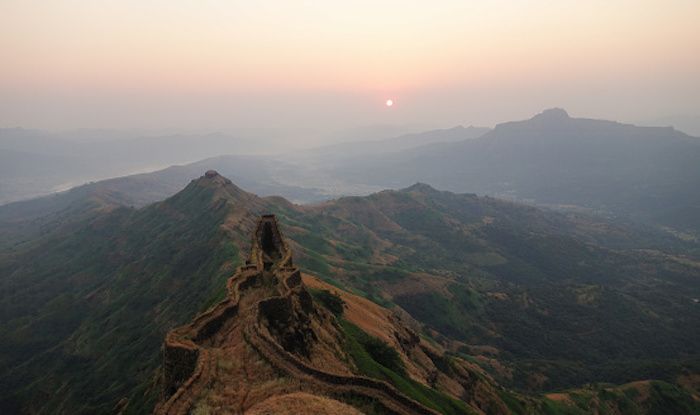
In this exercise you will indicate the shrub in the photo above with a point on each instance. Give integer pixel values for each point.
(330, 300)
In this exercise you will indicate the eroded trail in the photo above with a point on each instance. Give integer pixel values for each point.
(264, 342)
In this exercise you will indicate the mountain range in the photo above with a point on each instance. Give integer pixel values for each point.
(37, 163)
(538, 310)
(648, 175)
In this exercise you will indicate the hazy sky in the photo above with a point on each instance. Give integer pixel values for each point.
(223, 64)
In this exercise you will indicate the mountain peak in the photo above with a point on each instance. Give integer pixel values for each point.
(218, 187)
(213, 178)
(420, 187)
(552, 114)
(556, 117)
(210, 174)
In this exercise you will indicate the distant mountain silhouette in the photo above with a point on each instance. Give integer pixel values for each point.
(35, 163)
(648, 173)
(400, 143)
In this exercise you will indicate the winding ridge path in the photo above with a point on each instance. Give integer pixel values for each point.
(267, 284)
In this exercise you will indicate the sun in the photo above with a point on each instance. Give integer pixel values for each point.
(389, 102)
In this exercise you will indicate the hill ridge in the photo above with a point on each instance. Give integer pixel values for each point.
(188, 362)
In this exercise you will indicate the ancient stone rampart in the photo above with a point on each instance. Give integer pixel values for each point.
(187, 366)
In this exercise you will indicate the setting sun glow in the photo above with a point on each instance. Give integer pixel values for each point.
(71, 64)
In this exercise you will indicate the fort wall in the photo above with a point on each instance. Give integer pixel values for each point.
(187, 366)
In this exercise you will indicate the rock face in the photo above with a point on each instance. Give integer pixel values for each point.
(266, 340)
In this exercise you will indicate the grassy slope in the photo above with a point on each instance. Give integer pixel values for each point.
(568, 298)
(655, 397)
(87, 308)
(356, 345)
